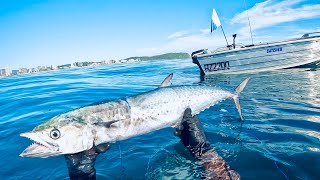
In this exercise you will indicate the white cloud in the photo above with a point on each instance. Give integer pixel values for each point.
(262, 15)
(270, 13)
(187, 43)
(297, 33)
(178, 34)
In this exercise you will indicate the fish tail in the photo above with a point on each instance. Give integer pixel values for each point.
(239, 89)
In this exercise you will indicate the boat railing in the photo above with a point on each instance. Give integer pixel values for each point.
(242, 46)
(220, 49)
(308, 35)
(238, 46)
(199, 52)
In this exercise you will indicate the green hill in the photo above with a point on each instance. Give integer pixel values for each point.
(162, 56)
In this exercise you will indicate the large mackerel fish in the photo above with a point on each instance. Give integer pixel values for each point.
(81, 129)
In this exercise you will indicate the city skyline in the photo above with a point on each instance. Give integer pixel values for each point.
(6, 72)
(41, 33)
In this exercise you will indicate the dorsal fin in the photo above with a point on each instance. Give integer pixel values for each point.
(167, 81)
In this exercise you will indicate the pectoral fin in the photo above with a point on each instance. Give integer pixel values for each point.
(105, 124)
(101, 148)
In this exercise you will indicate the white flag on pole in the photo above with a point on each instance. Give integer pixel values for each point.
(215, 22)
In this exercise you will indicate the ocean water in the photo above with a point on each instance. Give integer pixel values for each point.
(279, 139)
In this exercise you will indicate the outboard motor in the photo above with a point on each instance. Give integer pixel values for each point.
(194, 57)
(234, 41)
(199, 52)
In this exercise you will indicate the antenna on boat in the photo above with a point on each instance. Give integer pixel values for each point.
(245, 5)
(224, 36)
(215, 23)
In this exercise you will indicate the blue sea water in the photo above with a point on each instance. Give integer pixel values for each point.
(279, 139)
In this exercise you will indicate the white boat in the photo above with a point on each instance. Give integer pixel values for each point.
(252, 58)
(262, 57)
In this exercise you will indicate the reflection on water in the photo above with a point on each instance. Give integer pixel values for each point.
(279, 137)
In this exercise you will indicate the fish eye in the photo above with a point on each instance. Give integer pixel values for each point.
(55, 134)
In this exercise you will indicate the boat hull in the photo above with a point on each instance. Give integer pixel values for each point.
(266, 57)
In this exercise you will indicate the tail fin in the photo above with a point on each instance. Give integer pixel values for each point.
(239, 89)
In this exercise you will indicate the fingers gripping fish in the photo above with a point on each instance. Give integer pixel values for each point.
(81, 129)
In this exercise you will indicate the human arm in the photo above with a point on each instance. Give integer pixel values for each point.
(81, 165)
(192, 136)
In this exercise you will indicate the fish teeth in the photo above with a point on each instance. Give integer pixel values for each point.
(37, 143)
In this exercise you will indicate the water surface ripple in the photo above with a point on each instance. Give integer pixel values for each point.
(280, 138)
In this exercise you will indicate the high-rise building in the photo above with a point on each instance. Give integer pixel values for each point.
(33, 70)
(6, 72)
(23, 71)
(53, 67)
(2, 72)
(15, 72)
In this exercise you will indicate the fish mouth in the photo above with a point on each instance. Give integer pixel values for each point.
(39, 148)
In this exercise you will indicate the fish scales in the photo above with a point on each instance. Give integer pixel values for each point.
(164, 107)
(80, 129)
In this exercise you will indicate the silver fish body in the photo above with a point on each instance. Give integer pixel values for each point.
(80, 129)
(157, 109)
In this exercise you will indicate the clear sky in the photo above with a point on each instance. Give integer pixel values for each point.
(44, 32)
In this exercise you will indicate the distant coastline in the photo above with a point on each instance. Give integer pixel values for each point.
(9, 72)
(162, 56)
